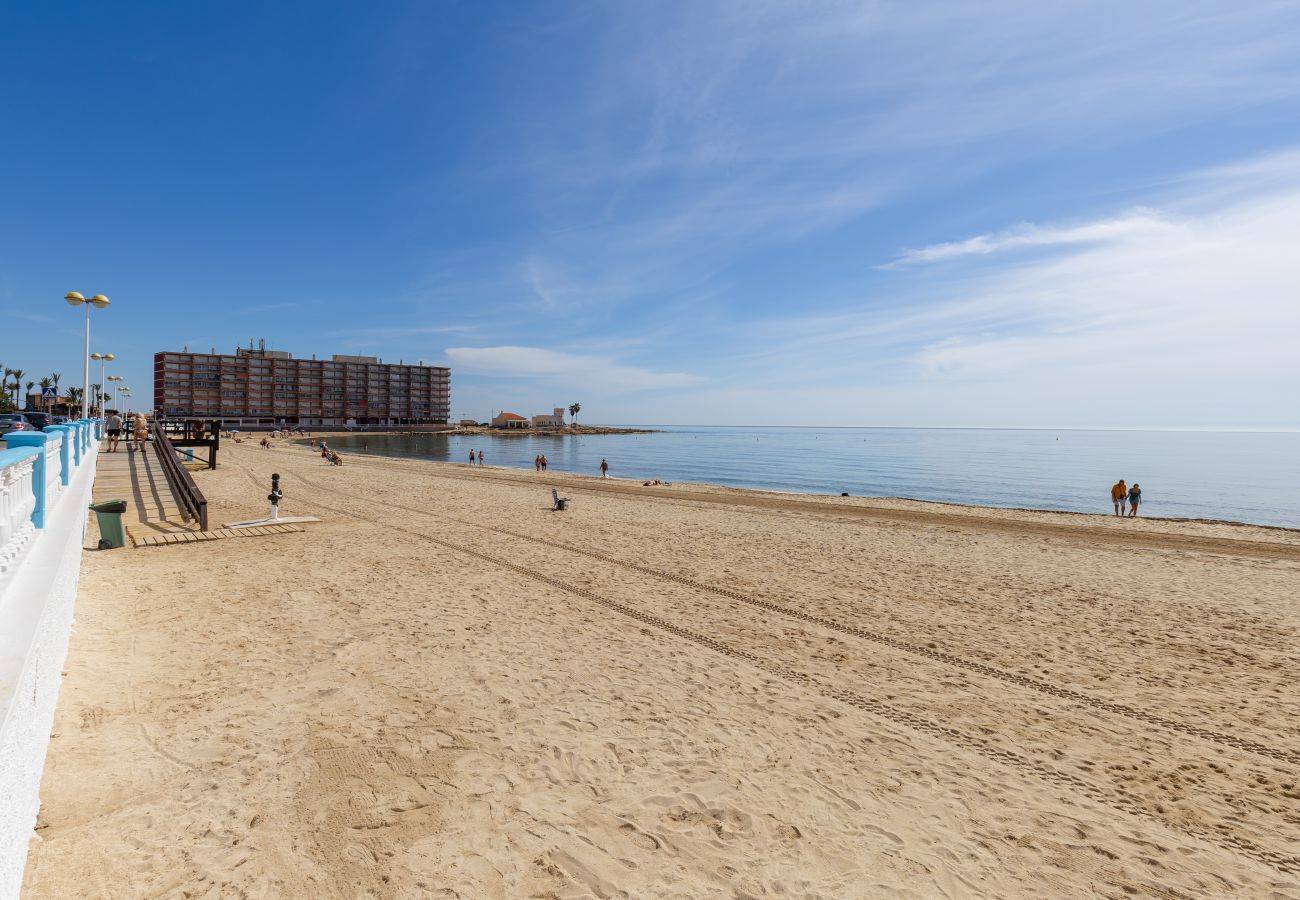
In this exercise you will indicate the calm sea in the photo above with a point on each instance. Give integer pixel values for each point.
(1241, 476)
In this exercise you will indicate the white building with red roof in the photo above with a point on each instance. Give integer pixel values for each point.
(509, 420)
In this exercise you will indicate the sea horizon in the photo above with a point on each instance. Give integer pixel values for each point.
(1227, 429)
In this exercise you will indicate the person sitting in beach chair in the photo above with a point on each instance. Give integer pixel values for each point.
(559, 503)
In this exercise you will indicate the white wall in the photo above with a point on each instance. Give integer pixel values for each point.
(36, 609)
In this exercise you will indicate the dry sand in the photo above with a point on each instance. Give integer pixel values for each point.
(446, 690)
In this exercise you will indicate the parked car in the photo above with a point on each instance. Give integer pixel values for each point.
(13, 422)
(37, 420)
(60, 420)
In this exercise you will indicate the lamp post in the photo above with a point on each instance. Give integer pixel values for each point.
(126, 394)
(117, 381)
(104, 359)
(99, 301)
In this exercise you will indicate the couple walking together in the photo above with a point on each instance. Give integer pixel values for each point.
(1123, 496)
(113, 428)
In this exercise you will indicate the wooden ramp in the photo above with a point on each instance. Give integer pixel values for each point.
(153, 517)
(189, 537)
(138, 479)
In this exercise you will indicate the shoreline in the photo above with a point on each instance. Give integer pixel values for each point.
(780, 492)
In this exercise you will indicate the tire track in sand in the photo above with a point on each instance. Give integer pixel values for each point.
(1187, 729)
(1221, 837)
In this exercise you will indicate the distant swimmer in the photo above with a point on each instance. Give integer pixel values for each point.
(1118, 495)
(1134, 498)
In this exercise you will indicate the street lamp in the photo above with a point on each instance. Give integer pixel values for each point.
(116, 379)
(99, 301)
(104, 359)
(126, 395)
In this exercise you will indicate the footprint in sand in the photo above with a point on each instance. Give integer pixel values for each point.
(640, 838)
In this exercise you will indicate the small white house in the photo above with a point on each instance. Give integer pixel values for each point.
(554, 420)
(509, 420)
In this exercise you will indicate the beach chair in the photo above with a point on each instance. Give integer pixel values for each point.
(560, 503)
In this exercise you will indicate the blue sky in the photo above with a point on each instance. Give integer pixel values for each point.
(790, 213)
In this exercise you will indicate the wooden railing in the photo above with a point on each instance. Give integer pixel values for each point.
(194, 434)
(191, 500)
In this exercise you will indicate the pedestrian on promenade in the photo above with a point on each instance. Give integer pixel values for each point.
(141, 431)
(604, 468)
(1118, 495)
(113, 425)
(1134, 498)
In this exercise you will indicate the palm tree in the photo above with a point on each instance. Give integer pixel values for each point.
(27, 396)
(18, 382)
(74, 399)
(574, 409)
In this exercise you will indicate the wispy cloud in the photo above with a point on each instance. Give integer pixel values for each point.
(1142, 318)
(1127, 225)
(700, 136)
(570, 369)
(385, 332)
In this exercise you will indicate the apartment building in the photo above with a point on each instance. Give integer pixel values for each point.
(260, 388)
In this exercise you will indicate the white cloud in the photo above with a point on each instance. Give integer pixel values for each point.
(1190, 319)
(699, 135)
(564, 369)
(1135, 222)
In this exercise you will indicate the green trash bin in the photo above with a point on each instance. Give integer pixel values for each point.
(109, 515)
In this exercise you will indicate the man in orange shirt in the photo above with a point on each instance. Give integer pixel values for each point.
(1119, 496)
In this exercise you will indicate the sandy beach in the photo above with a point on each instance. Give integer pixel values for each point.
(444, 689)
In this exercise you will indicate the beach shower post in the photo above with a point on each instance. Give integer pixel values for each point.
(275, 496)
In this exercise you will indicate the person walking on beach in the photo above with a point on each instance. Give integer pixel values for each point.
(1118, 494)
(471, 456)
(604, 468)
(480, 457)
(545, 463)
(1134, 498)
(113, 425)
(537, 462)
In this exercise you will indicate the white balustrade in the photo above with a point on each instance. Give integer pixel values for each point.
(17, 501)
(53, 471)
